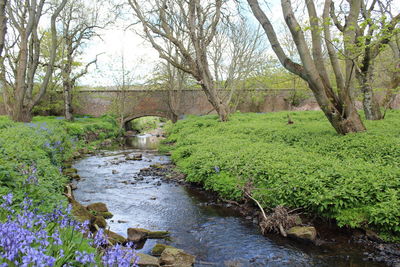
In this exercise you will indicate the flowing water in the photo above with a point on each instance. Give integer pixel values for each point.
(216, 235)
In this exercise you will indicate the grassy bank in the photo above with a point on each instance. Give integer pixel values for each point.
(354, 179)
(31, 154)
(36, 228)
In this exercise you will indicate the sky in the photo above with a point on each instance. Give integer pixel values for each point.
(140, 58)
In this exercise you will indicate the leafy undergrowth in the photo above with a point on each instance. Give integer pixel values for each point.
(34, 229)
(354, 179)
(31, 154)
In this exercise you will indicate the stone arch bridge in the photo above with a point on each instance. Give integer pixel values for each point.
(175, 104)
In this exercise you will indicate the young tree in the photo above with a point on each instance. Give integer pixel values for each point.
(190, 26)
(79, 23)
(20, 61)
(338, 107)
(373, 32)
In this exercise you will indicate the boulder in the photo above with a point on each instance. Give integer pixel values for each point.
(157, 234)
(81, 214)
(137, 156)
(73, 186)
(137, 234)
(176, 258)
(69, 171)
(67, 164)
(158, 249)
(100, 222)
(76, 155)
(75, 176)
(84, 150)
(115, 238)
(306, 233)
(147, 260)
(97, 206)
(105, 215)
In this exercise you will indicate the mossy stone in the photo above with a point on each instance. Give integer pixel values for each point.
(158, 249)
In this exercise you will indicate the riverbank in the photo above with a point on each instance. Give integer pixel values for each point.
(352, 181)
(35, 224)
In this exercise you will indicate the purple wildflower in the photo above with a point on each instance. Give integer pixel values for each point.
(84, 258)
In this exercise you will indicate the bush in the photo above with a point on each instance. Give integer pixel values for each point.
(354, 179)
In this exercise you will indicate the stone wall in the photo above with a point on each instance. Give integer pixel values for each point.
(139, 103)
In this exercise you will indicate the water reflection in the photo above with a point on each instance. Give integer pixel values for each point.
(143, 141)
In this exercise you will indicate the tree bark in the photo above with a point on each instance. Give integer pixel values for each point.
(339, 109)
(3, 24)
(371, 107)
(18, 92)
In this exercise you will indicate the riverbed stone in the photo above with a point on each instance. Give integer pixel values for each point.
(158, 249)
(84, 150)
(73, 186)
(69, 171)
(67, 164)
(137, 156)
(81, 214)
(115, 238)
(100, 221)
(137, 234)
(106, 143)
(306, 233)
(157, 234)
(105, 215)
(147, 260)
(97, 206)
(174, 257)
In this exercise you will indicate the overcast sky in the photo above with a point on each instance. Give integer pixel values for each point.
(140, 58)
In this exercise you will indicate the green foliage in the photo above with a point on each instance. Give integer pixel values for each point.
(31, 154)
(146, 124)
(354, 179)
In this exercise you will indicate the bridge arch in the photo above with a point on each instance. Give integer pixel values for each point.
(137, 115)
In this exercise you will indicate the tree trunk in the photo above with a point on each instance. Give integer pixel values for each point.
(218, 104)
(339, 109)
(20, 113)
(370, 104)
(67, 82)
(371, 107)
(67, 102)
(350, 123)
(344, 118)
(3, 24)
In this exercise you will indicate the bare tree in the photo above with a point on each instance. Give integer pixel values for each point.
(235, 52)
(338, 107)
(190, 26)
(174, 80)
(20, 61)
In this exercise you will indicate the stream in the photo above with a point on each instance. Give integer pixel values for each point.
(217, 236)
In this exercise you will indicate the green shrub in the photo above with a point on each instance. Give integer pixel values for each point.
(31, 154)
(354, 179)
